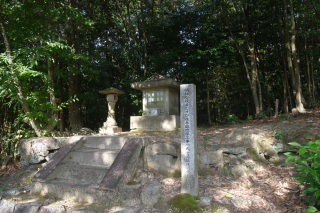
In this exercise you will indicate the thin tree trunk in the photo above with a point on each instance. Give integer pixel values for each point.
(62, 122)
(145, 41)
(253, 80)
(54, 112)
(312, 73)
(208, 97)
(15, 154)
(74, 107)
(299, 104)
(22, 100)
(260, 92)
(288, 49)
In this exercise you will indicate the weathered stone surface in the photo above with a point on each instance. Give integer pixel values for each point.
(144, 177)
(124, 165)
(57, 158)
(237, 201)
(204, 201)
(163, 148)
(12, 192)
(49, 157)
(80, 211)
(27, 207)
(52, 209)
(35, 158)
(130, 195)
(134, 209)
(235, 148)
(163, 156)
(25, 150)
(151, 194)
(189, 147)
(34, 150)
(238, 166)
(211, 157)
(7, 206)
(155, 123)
(27, 187)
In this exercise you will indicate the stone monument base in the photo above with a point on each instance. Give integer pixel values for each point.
(110, 130)
(155, 123)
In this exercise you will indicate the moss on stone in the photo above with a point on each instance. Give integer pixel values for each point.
(256, 157)
(175, 174)
(185, 203)
(205, 172)
(196, 197)
(132, 182)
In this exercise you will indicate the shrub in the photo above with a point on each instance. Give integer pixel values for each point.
(308, 169)
(232, 119)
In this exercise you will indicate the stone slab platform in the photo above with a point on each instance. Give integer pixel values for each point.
(155, 123)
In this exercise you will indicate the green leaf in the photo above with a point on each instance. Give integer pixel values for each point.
(302, 151)
(317, 194)
(290, 159)
(295, 144)
(301, 180)
(311, 209)
(300, 168)
(315, 165)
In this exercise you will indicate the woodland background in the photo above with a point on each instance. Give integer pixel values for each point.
(241, 55)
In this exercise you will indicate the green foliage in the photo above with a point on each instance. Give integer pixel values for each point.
(4, 188)
(232, 119)
(312, 209)
(308, 169)
(285, 117)
(249, 118)
(279, 134)
(185, 203)
(206, 138)
(261, 115)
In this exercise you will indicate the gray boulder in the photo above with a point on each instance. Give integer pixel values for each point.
(27, 207)
(52, 209)
(130, 195)
(134, 209)
(163, 156)
(7, 206)
(151, 194)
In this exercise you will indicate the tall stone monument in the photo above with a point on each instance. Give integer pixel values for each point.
(110, 126)
(189, 149)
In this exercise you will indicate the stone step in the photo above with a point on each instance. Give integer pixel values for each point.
(90, 156)
(79, 173)
(89, 193)
(103, 142)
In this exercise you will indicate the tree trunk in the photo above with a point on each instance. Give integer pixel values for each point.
(208, 97)
(299, 104)
(288, 49)
(145, 41)
(54, 112)
(74, 107)
(22, 100)
(254, 79)
(15, 154)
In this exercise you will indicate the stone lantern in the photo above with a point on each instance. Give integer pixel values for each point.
(110, 126)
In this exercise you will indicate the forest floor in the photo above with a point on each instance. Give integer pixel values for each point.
(270, 189)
